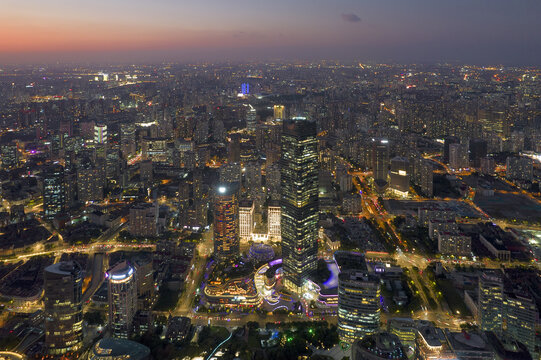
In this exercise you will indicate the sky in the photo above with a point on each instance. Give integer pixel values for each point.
(469, 31)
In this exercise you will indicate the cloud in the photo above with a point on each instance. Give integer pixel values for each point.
(351, 18)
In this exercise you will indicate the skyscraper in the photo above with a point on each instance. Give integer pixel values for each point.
(100, 133)
(380, 164)
(122, 289)
(246, 219)
(299, 201)
(226, 221)
(251, 118)
(490, 302)
(63, 307)
(520, 313)
(53, 191)
(358, 305)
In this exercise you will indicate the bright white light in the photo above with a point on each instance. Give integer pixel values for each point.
(222, 189)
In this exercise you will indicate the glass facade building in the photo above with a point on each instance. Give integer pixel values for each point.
(53, 191)
(299, 201)
(358, 305)
(122, 287)
(63, 308)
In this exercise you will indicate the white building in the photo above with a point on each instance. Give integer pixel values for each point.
(274, 216)
(246, 219)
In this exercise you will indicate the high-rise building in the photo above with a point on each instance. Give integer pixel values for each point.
(299, 201)
(54, 199)
(246, 219)
(446, 144)
(400, 180)
(478, 150)
(9, 155)
(251, 119)
(90, 184)
(488, 165)
(519, 168)
(274, 214)
(458, 156)
(143, 220)
(226, 221)
(279, 112)
(520, 317)
(230, 172)
(100, 133)
(380, 163)
(122, 289)
(490, 306)
(63, 308)
(358, 305)
(127, 140)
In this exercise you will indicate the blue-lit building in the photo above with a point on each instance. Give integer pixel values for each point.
(122, 289)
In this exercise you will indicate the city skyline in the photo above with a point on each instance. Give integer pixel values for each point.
(495, 32)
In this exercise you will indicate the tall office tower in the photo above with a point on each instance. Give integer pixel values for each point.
(146, 173)
(274, 214)
(520, 318)
(127, 140)
(279, 112)
(252, 181)
(426, 177)
(246, 219)
(519, 168)
(380, 163)
(122, 290)
(358, 305)
(201, 133)
(226, 221)
(400, 180)
(251, 119)
(183, 203)
(458, 156)
(63, 308)
(343, 179)
(54, 197)
(488, 165)
(9, 156)
(100, 134)
(490, 302)
(89, 184)
(478, 150)
(230, 172)
(234, 148)
(447, 142)
(272, 182)
(299, 201)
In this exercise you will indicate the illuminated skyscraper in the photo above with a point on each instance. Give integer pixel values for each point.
(299, 201)
(226, 221)
(490, 302)
(100, 133)
(279, 111)
(53, 191)
(246, 219)
(251, 117)
(358, 305)
(520, 312)
(380, 163)
(122, 288)
(63, 308)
